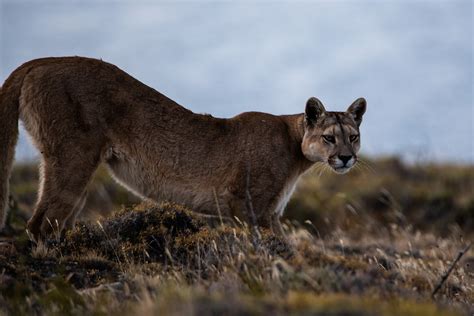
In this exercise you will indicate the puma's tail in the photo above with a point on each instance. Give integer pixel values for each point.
(9, 115)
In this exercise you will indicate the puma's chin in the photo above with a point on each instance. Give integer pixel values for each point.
(341, 170)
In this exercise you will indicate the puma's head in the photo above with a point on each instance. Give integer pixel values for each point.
(332, 137)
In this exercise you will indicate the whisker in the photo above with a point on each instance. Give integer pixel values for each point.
(316, 167)
(321, 171)
(367, 165)
(326, 168)
(358, 168)
(364, 170)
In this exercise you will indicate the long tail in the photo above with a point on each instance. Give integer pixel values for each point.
(9, 115)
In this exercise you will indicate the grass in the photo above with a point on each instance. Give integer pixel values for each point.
(356, 245)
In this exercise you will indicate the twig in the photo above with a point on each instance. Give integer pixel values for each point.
(111, 245)
(250, 211)
(248, 200)
(218, 206)
(448, 272)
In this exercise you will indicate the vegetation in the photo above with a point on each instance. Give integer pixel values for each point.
(374, 242)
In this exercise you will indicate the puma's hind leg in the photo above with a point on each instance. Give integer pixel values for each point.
(62, 185)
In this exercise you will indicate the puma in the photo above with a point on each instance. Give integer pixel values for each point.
(83, 112)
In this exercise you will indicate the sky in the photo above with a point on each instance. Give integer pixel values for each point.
(411, 60)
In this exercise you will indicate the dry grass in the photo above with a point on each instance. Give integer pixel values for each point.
(361, 259)
(159, 259)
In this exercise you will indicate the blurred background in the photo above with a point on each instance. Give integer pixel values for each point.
(412, 61)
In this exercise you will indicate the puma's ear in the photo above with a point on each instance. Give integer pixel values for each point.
(357, 110)
(314, 110)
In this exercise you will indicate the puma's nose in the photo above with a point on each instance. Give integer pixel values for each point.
(345, 159)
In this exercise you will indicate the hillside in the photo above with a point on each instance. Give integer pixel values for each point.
(374, 242)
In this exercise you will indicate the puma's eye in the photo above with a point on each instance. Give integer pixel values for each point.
(329, 139)
(353, 138)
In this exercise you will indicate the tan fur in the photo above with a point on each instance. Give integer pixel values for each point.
(81, 112)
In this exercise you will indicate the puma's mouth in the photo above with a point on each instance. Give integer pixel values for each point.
(341, 167)
(341, 170)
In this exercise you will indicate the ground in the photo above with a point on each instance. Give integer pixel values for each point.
(375, 242)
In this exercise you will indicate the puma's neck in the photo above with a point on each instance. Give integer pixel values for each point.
(295, 125)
